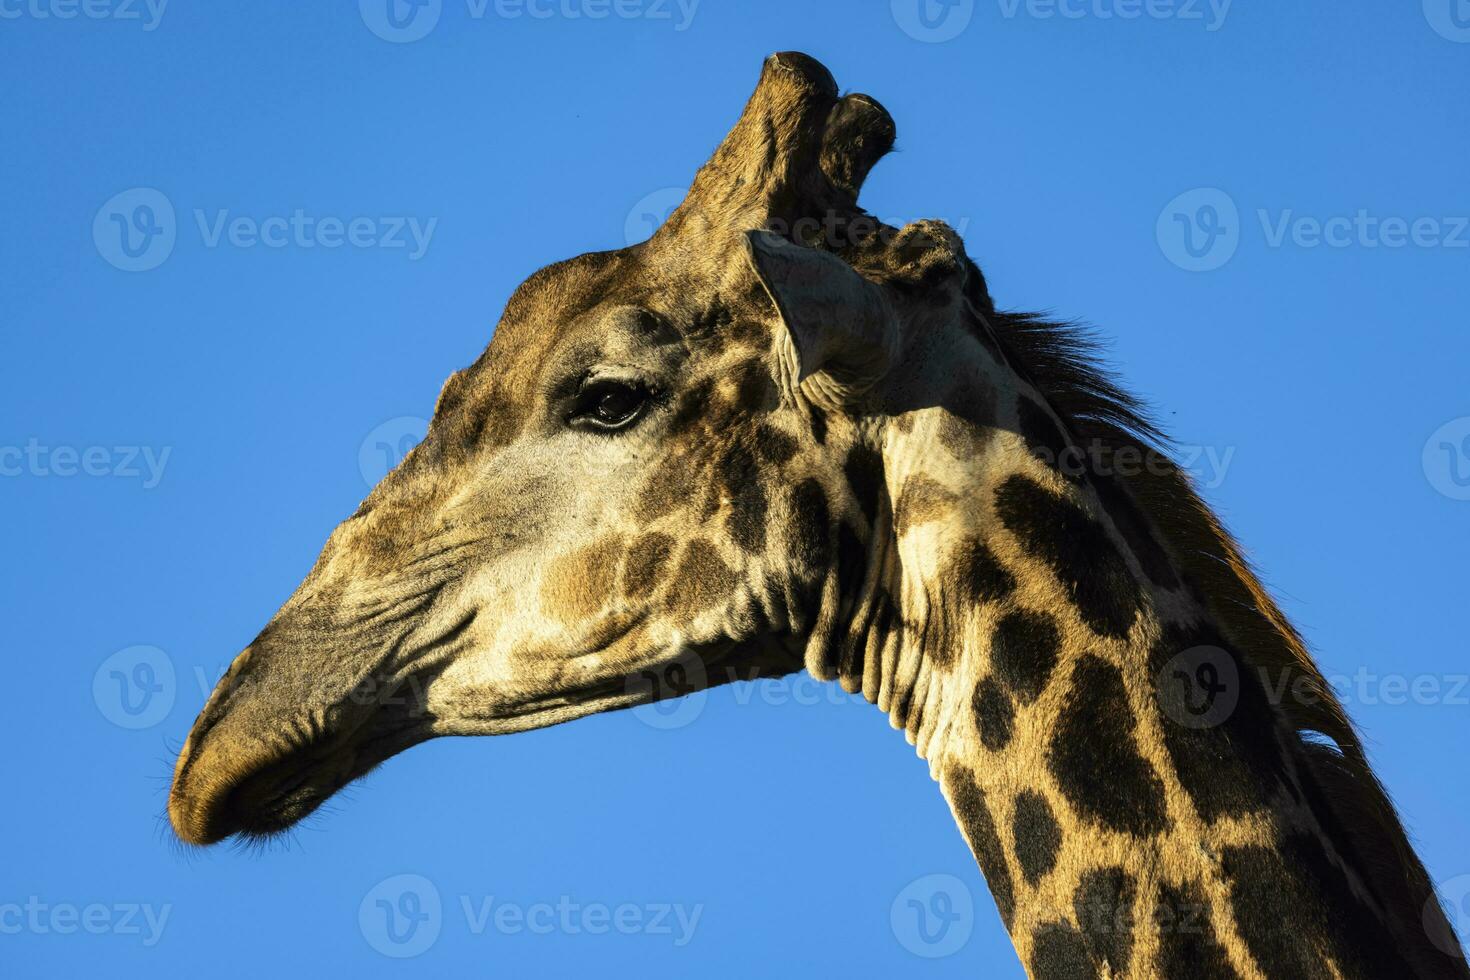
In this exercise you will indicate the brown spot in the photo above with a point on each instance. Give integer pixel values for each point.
(1103, 904)
(819, 425)
(811, 520)
(968, 801)
(773, 446)
(1188, 947)
(1061, 533)
(750, 333)
(577, 585)
(1036, 835)
(667, 486)
(852, 562)
(645, 563)
(994, 714)
(692, 407)
(1094, 754)
(864, 471)
(1058, 952)
(746, 520)
(702, 579)
(967, 421)
(921, 501)
(1024, 648)
(978, 574)
(754, 389)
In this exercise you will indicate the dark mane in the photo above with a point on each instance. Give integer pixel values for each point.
(1062, 361)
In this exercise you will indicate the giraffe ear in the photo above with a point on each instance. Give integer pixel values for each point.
(840, 324)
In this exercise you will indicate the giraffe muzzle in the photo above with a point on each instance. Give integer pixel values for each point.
(277, 739)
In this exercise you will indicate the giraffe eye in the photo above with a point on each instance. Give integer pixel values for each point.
(608, 405)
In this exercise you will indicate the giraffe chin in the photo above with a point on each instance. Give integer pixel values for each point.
(268, 792)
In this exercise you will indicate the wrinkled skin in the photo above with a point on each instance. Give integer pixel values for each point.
(639, 481)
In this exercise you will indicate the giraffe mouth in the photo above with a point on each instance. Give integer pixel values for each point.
(274, 798)
(229, 783)
(272, 789)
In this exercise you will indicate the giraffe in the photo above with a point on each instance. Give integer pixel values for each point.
(782, 435)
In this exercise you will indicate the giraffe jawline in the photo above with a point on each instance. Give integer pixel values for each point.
(274, 797)
(286, 787)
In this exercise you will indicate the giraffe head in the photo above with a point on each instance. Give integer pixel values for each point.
(647, 476)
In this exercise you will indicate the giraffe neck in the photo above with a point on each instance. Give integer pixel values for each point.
(1132, 797)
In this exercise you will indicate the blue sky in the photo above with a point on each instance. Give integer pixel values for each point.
(1262, 205)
